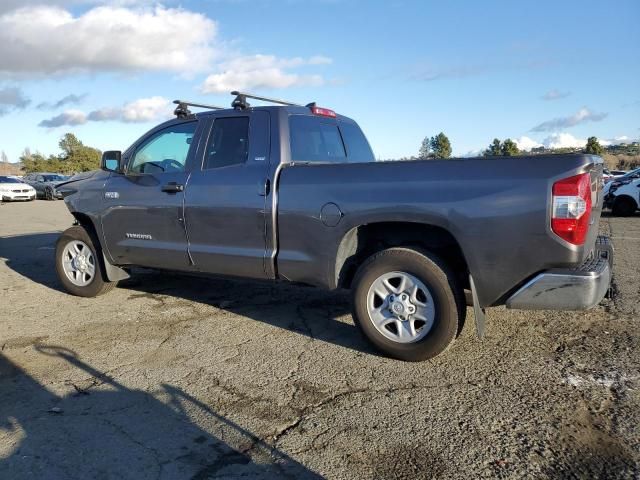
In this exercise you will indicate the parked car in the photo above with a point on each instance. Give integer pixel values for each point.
(623, 198)
(12, 189)
(609, 175)
(294, 193)
(618, 181)
(45, 184)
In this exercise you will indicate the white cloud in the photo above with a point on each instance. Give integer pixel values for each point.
(584, 115)
(526, 143)
(40, 40)
(555, 94)
(138, 111)
(262, 71)
(70, 117)
(12, 98)
(563, 140)
(71, 99)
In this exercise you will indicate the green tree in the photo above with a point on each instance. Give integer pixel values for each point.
(69, 144)
(593, 146)
(509, 148)
(440, 146)
(75, 157)
(494, 149)
(425, 149)
(36, 162)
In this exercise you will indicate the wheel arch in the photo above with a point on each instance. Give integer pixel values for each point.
(362, 241)
(112, 272)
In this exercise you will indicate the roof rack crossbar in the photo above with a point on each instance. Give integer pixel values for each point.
(182, 110)
(241, 100)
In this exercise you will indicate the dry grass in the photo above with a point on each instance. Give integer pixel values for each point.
(9, 169)
(621, 162)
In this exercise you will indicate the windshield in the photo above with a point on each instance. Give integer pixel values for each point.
(632, 174)
(54, 178)
(9, 180)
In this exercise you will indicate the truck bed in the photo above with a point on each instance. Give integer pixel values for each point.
(497, 209)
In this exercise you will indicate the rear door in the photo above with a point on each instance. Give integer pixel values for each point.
(226, 196)
(143, 222)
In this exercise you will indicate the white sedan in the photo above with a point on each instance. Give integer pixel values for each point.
(13, 189)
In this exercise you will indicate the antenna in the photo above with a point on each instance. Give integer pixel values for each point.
(182, 110)
(240, 102)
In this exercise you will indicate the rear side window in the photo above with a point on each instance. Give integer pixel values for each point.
(228, 143)
(315, 139)
(358, 148)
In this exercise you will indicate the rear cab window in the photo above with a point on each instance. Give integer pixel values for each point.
(326, 140)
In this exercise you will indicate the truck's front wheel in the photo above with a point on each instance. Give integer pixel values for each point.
(78, 264)
(407, 303)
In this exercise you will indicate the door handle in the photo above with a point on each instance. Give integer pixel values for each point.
(264, 187)
(173, 187)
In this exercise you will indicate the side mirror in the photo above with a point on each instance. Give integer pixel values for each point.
(111, 161)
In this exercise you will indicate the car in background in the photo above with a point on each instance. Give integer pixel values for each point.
(12, 189)
(609, 175)
(609, 187)
(623, 198)
(46, 183)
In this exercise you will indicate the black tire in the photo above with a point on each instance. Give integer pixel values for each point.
(448, 299)
(48, 193)
(99, 284)
(624, 207)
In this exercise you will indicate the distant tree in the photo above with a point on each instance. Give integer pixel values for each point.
(425, 149)
(3, 157)
(69, 144)
(440, 146)
(75, 157)
(36, 162)
(509, 148)
(593, 146)
(494, 149)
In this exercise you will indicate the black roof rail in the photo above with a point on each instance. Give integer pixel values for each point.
(182, 110)
(240, 102)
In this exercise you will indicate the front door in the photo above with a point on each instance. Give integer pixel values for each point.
(143, 222)
(225, 203)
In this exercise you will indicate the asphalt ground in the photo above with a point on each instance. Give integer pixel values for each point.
(171, 377)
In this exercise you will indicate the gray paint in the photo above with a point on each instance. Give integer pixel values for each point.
(497, 209)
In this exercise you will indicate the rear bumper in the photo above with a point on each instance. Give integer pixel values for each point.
(569, 289)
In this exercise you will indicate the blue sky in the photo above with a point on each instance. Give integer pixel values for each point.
(543, 72)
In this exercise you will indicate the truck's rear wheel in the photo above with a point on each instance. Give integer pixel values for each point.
(407, 303)
(78, 264)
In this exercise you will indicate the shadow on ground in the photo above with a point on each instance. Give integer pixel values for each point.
(106, 430)
(305, 310)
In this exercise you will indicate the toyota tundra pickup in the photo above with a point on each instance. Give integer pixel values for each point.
(293, 193)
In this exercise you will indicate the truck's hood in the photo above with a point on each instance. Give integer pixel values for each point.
(76, 182)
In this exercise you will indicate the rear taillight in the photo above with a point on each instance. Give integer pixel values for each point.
(323, 112)
(572, 208)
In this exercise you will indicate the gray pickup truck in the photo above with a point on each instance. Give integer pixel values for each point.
(291, 192)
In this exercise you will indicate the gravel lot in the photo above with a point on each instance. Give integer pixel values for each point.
(180, 377)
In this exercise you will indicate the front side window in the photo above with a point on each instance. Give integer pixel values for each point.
(228, 143)
(166, 151)
(315, 139)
